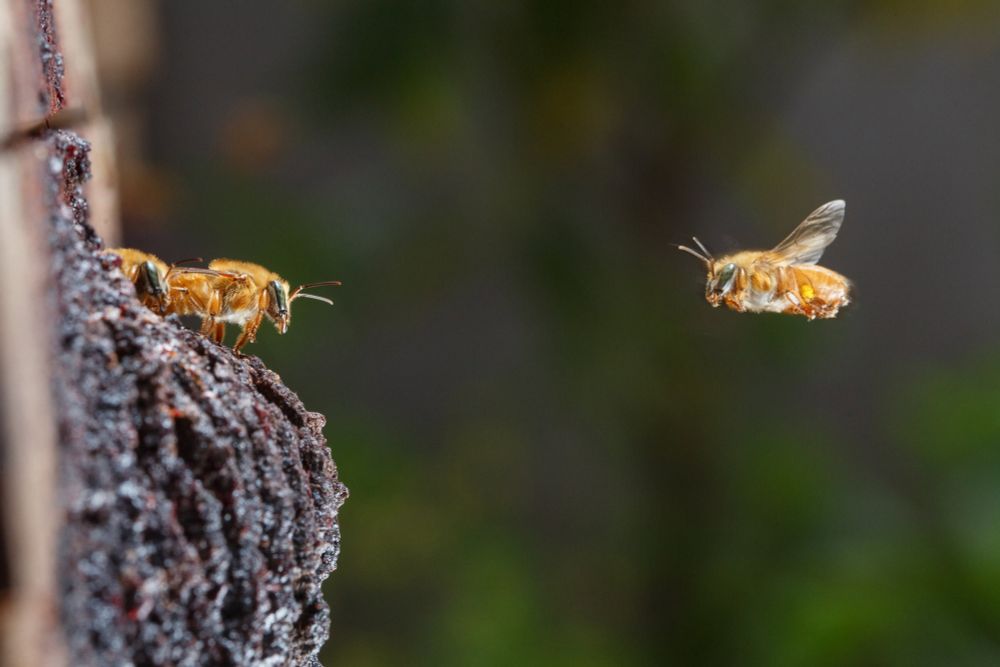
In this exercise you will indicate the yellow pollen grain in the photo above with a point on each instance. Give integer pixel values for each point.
(807, 292)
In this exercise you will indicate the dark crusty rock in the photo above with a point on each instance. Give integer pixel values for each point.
(199, 499)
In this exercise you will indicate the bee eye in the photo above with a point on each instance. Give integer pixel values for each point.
(152, 278)
(725, 279)
(279, 300)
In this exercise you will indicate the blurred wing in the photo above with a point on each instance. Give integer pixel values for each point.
(806, 243)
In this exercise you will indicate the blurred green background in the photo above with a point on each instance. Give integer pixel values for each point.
(558, 453)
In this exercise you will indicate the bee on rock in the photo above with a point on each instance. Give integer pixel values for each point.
(227, 292)
(245, 293)
(152, 277)
(785, 279)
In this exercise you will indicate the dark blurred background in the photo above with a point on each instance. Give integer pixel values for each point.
(558, 453)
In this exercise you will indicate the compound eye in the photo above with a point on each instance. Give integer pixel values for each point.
(152, 278)
(279, 300)
(726, 277)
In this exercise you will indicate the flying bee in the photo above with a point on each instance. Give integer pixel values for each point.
(785, 279)
(243, 293)
(151, 276)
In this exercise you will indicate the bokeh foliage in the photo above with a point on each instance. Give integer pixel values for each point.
(557, 453)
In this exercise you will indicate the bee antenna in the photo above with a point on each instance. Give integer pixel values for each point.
(703, 248)
(311, 296)
(684, 248)
(298, 290)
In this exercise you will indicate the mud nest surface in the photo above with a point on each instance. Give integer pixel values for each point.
(199, 499)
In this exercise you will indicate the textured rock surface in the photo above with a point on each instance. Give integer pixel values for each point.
(53, 97)
(200, 499)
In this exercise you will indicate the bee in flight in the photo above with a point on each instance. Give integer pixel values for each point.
(785, 279)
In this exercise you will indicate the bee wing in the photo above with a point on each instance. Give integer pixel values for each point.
(806, 243)
(178, 274)
(188, 270)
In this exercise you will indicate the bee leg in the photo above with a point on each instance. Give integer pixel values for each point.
(825, 310)
(807, 308)
(797, 307)
(210, 326)
(249, 333)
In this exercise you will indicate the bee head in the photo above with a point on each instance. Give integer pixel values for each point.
(278, 310)
(279, 301)
(719, 281)
(149, 282)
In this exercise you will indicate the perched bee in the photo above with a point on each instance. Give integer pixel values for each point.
(242, 293)
(785, 279)
(202, 293)
(151, 276)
